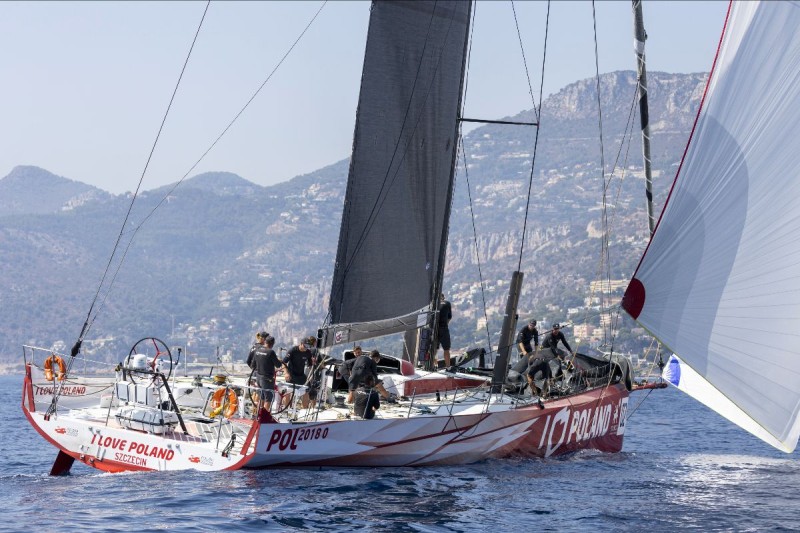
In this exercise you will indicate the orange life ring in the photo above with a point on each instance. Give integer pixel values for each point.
(48, 368)
(224, 401)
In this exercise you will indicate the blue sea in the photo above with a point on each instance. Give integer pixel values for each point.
(682, 468)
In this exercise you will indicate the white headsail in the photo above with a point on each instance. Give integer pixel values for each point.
(720, 281)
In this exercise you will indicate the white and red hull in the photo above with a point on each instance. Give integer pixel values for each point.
(439, 433)
(475, 431)
(82, 435)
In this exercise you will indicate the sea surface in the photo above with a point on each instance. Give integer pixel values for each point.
(682, 468)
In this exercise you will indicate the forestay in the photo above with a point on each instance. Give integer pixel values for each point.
(719, 282)
(394, 224)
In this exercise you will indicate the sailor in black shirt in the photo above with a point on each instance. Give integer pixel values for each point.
(367, 400)
(443, 331)
(525, 336)
(295, 362)
(551, 341)
(362, 366)
(259, 336)
(265, 363)
(360, 369)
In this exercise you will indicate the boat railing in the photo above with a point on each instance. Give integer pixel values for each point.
(38, 356)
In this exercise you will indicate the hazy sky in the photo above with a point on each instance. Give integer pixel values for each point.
(85, 84)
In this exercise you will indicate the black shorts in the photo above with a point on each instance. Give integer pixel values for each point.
(443, 339)
(539, 365)
(267, 386)
(355, 380)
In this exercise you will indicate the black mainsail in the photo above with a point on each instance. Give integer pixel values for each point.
(393, 237)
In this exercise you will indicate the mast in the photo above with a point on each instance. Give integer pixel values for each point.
(438, 281)
(507, 332)
(639, 38)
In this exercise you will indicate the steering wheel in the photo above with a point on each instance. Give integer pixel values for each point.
(154, 350)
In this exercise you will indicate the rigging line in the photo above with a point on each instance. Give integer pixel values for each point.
(86, 325)
(239, 114)
(466, 68)
(176, 184)
(614, 323)
(466, 176)
(381, 197)
(628, 132)
(604, 245)
(477, 249)
(538, 120)
(525, 61)
(638, 405)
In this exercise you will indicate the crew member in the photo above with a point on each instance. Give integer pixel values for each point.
(294, 365)
(525, 336)
(260, 335)
(265, 363)
(362, 367)
(551, 340)
(367, 400)
(551, 350)
(443, 332)
(295, 361)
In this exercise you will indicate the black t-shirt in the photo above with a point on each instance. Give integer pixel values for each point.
(252, 354)
(365, 401)
(526, 335)
(445, 314)
(296, 361)
(265, 362)
(552, 338)
(364, 366)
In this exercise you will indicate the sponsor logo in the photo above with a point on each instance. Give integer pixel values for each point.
(572, 427)
(133, 448)
(72, 432)
(61, 430)
(201, 460)
(66, 390)
(620, 416)
(289, 438)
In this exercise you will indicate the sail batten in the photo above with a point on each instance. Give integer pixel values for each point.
(718, 282)
(394, 222)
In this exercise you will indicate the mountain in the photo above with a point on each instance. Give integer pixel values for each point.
(32, 190)
(220, 183)
(222, 257)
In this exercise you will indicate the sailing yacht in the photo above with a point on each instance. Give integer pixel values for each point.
(387, 280)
